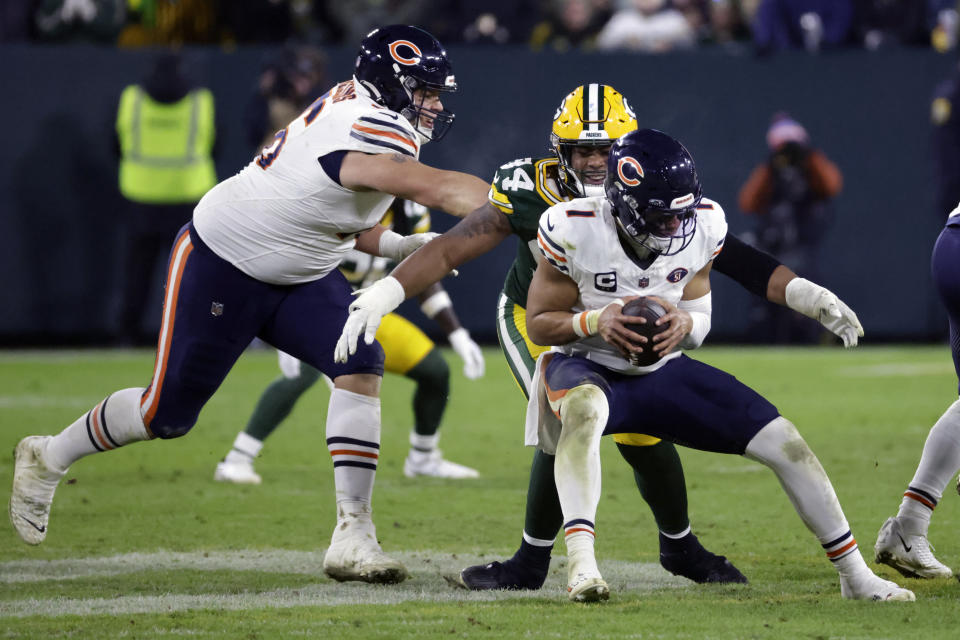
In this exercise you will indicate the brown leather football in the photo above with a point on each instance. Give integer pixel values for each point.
(652, 310)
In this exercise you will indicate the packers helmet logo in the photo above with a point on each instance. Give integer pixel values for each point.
(396, 55)
(637, 169)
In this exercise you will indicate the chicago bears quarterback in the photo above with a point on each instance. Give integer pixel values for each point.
(259, 259)
(407, 352)
(587, 122)
(654, 234)
(902, 541)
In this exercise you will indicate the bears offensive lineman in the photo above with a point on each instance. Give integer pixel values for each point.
(407, 352)
(653, 234)
(587, 122)
(260, 260)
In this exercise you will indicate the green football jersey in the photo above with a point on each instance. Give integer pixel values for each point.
(522, 190)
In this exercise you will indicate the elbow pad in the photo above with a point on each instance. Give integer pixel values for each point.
(700, 310)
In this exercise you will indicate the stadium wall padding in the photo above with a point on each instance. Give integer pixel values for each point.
(867, 110)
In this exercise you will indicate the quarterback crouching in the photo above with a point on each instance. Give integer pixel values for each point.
(653, 234)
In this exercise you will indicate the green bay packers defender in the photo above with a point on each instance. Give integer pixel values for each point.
(586, 124)
(407, 352)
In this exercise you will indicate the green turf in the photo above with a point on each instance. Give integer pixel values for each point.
(200, 559)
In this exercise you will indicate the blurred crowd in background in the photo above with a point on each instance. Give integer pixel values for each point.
(749, 26)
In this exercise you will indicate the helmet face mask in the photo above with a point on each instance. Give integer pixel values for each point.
(590, 116)
(653, 190)
(404, 68)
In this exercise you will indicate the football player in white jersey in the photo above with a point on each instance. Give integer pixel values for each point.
(653, 234)
(902, 541)
(260, 259)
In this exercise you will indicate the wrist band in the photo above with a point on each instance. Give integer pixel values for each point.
(587, 323)
(436, 303)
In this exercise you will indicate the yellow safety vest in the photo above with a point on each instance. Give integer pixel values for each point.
(165, 148)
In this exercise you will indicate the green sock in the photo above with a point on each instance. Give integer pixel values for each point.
(659, 476)
(544, 515)
(432, 375)
(277, 401)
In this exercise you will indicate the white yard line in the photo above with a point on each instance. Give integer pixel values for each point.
(427, 583)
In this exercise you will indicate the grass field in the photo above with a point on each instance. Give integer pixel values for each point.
(143, 543)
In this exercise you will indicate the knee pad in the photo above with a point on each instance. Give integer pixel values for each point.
(584, 411)
(779, 439)
(169, 431)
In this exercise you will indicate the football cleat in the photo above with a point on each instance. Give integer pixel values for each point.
(513, 575)
(237, 473)
(34, 484)
(688, 558)
(432, 464)
(867, 586)
(355, 554)
(911, 555)
(584, 582)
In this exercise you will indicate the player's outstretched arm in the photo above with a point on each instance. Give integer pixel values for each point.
(400, 175)
(763, 275)
(476, 234)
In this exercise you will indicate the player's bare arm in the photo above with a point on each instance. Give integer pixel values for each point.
(475, 235)
(369, 240)
(680, 321)
(451, 191)
(551, 321)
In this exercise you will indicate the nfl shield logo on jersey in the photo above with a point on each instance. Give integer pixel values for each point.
(216, 309)
(644, 282)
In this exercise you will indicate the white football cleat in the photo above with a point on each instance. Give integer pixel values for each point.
(355, 554)
(236, 472)
(584, 582)
(868, 586)
(34, 483)
(432, 464)
(910, 555)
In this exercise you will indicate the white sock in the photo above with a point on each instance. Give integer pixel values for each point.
(245, 448)
(422, 447)
(780, 446)
(576, 470)
(938, 464)
(353, 439)
(113, 423)
(580, 549)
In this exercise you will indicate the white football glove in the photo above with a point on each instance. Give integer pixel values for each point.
(822, 305)
(366, 312)
(469, 351)
(397, 247)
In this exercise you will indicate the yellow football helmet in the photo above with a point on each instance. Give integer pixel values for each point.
(591, 115)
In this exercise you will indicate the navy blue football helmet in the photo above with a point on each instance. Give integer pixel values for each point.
(653, 189)
(397, 60)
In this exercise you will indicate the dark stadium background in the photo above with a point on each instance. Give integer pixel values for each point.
(869, 110)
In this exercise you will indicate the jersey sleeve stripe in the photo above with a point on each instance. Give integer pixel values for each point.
(380, 143)
(386, 134)
(499, 200)
(547, 252)
(541, 232)
(389, 125)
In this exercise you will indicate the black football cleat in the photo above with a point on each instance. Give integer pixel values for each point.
(512, 575)
(688, 558)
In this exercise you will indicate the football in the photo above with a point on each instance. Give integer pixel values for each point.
(650, 309)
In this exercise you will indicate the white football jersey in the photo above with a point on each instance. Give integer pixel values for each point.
(282, 219)
(579, 238)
